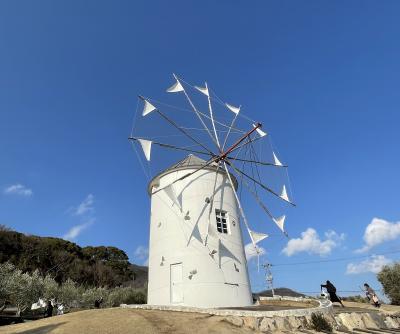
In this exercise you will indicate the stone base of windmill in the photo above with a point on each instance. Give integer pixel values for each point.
(281, 315)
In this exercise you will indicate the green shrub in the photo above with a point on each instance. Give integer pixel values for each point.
(127, 295)
(90, 295)
(319, 323)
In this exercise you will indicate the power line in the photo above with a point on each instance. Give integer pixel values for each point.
(333, 260)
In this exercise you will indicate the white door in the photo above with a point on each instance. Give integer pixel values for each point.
(176, 283)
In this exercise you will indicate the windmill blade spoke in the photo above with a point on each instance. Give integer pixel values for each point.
(212, 119)
(172, 146)
(256, 197)
(229, 131)
(206, 93)
(169, 120)
(249, 141)
(263, 163)
(278, 221)
(190, 110)
(197, 114)
(260, 184)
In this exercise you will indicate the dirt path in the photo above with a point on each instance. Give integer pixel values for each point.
(124, 321)
(364, 307)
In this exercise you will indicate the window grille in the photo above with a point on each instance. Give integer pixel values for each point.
(221, 217)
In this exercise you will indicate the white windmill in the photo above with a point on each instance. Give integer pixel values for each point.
(196, 250)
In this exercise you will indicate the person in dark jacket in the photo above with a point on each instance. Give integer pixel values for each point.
(330, 288)
(98, 302)
(49, 309)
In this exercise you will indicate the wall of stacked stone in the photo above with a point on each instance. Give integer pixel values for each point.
(325, 307)
(289, 320)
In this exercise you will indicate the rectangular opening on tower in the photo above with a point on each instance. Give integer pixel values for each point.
(221, 218)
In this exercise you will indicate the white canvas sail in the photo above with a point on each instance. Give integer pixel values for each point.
(235, 110)
(176, 87)
(203, 90)
(146, 146)
(260, 132)
(276, 160)
(280, 221)
(148, 108)
(284, 194)
(257, 237)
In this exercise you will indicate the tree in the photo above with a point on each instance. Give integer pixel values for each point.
(389, 277)
(20, 289)
(5, 228)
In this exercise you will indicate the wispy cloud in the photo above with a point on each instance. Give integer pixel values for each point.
(18, 189)
(77, 229)
(373, 264)
(83, 212)
(311, 243)
(251, 252)
(379, 231)
(142, 254)
(85, 207)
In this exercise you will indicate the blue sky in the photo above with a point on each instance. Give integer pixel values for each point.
(323, 77)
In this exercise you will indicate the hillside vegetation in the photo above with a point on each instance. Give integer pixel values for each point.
(102, 266)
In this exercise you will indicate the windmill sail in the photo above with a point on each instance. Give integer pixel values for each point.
(257, 237)
(260, 132)
(280, 221)
(176, 87)
(148, 108)
(146, 146)
(284, 194)
(276, 160)
(235, 110)
(203, 90)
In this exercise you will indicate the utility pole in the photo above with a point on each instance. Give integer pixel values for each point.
(269, 278)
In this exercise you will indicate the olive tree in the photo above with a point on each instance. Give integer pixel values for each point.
(20, 289)
(389, 277)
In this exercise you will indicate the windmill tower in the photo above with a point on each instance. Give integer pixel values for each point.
(196, 253)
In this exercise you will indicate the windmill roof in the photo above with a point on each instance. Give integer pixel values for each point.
(190, 162)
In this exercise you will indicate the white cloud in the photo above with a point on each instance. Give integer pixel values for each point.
(77, 229)
(18, 189)
(379, 231)
(85, 212)
(142, 253)
(311, 243)
(85, 207)
(251, 252)
(373, 264)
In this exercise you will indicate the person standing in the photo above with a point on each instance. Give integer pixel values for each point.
(330, 288)
(98, 302)
(49, 309)
(371, 295)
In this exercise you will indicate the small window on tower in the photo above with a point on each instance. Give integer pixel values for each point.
(222, 221)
